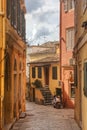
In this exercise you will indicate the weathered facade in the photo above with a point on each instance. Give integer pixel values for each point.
(44, 66)
(12, 61)
(66, 51)
(80, 53)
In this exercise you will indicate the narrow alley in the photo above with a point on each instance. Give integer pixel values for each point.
(39, 117)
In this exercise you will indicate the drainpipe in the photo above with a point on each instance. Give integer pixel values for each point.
(2, 48)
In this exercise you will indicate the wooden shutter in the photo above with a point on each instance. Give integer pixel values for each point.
(39, 72)
(65, 5)
(33, 72)
(72, 38)
(18, 16)
(84, 5)
(54, 73)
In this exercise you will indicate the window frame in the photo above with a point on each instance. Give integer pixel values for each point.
(70, 38)
(68, 5)
(39, 72)
(72, 87)
(54, 75)
(33, 72)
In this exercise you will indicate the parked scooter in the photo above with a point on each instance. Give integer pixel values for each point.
(57, 102)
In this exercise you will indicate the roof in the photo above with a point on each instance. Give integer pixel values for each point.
(46, 60)
(48, 47)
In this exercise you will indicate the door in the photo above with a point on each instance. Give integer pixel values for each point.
(33, 94)
(46, 75)
(15, 96)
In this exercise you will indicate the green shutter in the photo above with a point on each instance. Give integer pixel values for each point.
(85, 79)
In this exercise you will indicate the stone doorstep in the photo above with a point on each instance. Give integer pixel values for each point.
(9, 126)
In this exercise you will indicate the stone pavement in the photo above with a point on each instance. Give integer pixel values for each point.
(39, 117)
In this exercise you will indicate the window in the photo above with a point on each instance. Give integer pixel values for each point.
(15, 65)
(8, 9)
(54, 73)
(85, 79)
(33, 72)
(68, 4)
(72, 91)
(65, 5)
(39, 72)
(70, 38)
(84, 5)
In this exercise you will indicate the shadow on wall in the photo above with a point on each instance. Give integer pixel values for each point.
(68, 102)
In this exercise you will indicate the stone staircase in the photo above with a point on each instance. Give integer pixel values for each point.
(47, 95)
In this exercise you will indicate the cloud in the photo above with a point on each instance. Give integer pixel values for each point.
(33, 5)
(42, 19)
(50, 17)
(43, 31)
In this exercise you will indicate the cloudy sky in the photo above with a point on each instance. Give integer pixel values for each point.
(42, 21)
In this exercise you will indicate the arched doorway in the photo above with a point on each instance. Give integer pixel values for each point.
(15, 87)
(7, 90)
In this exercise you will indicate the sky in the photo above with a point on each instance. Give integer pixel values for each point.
(42, 21)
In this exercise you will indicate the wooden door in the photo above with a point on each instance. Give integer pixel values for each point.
(46, 75)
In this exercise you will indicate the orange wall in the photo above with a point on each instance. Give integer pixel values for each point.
(66, 21)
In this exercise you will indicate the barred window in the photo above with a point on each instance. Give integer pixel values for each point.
(39, 72)
(33, 72)
(54, 72)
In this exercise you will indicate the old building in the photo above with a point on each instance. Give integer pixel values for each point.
(12, 61)
(44, 66)
(80, 53)
(66, 51)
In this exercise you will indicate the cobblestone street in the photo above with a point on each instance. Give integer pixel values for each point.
(39, 117)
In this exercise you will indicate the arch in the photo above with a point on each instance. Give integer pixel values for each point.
(7, 72)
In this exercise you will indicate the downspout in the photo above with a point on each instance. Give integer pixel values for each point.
(2, 55)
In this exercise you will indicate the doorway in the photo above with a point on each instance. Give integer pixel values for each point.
(46, 75)
(15, 87)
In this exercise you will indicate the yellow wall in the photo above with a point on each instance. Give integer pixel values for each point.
(53, 84)
(81, 56)
(2, 47)
(16, 50)
(38, 95)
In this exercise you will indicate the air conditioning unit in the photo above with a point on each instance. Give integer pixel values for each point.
(72, 61)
